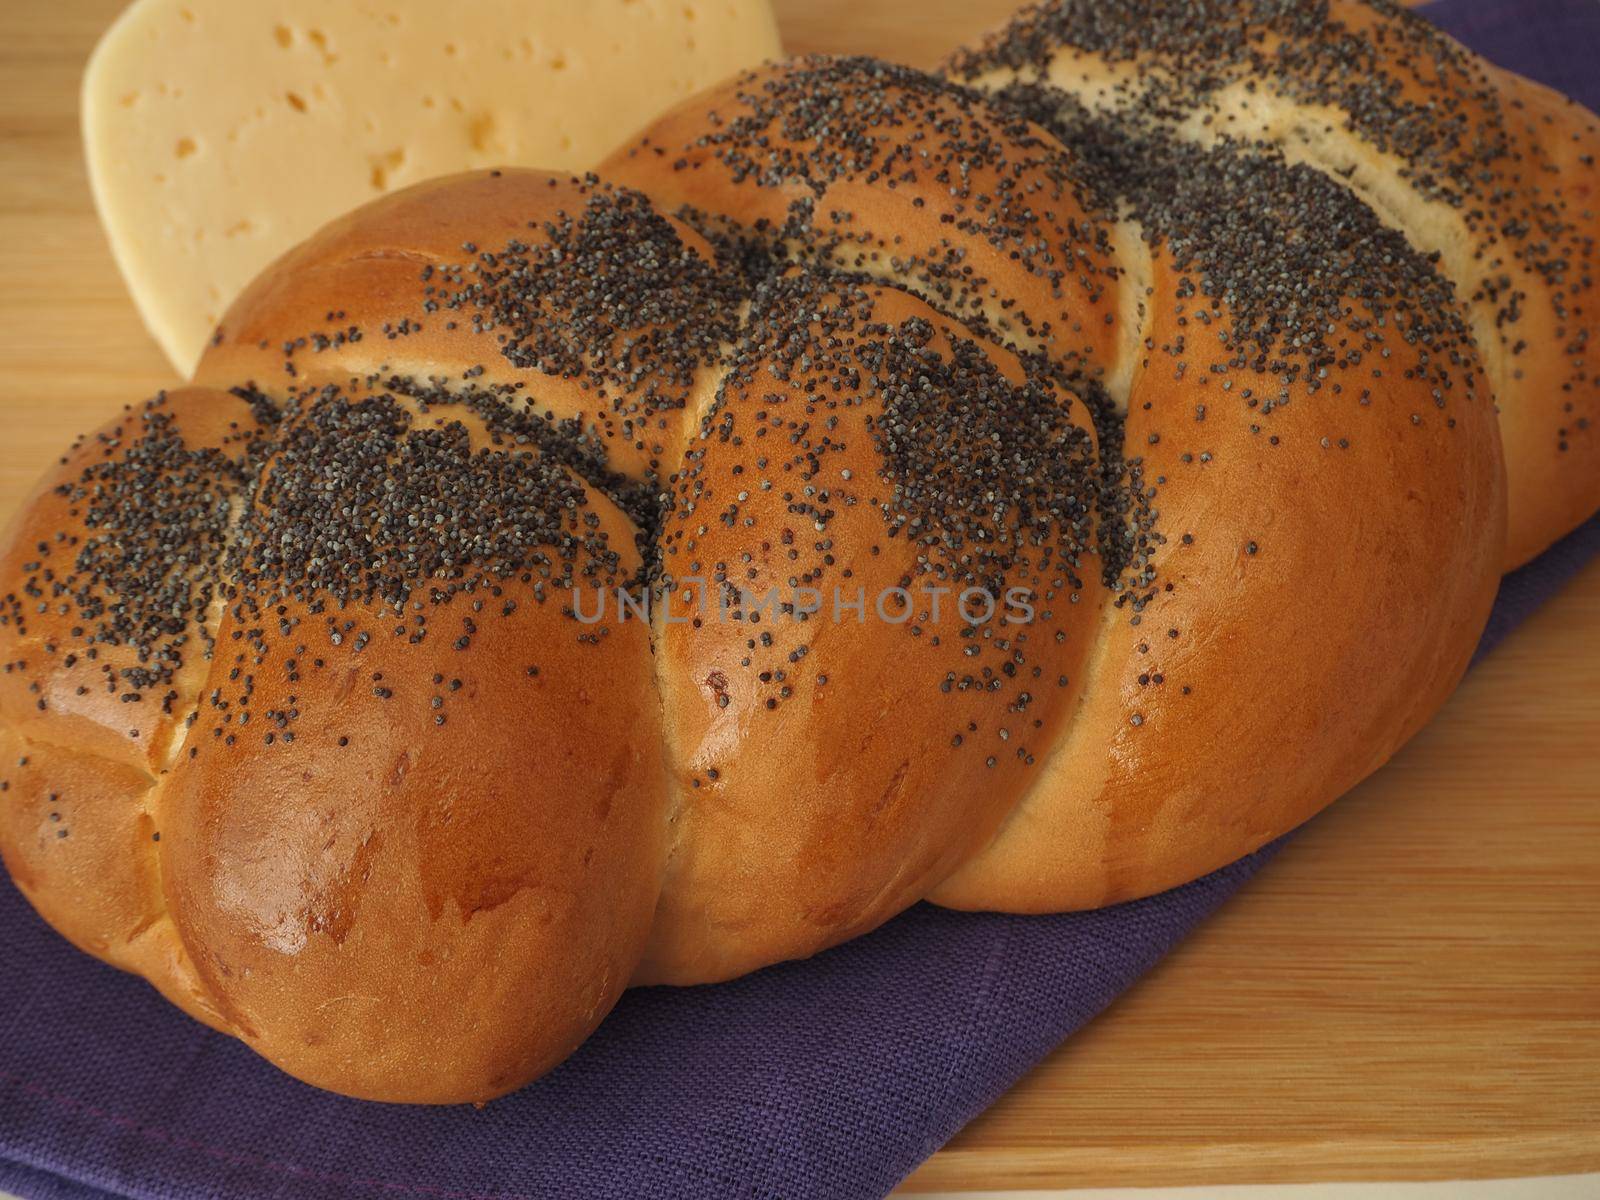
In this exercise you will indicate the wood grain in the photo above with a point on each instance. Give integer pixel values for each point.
(1411, 991)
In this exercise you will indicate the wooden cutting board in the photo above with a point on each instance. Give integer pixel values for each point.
(1412, 990)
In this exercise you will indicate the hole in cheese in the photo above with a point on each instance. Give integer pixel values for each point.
(483, 135)
(383, 166)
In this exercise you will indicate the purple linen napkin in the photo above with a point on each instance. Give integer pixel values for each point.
(828, 1078)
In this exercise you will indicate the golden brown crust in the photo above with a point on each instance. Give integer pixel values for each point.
(78, 837)
(1552, 449)
(970, 208)
(309, 825)
(90, 706)
(1080, 836)
(79, 672)
(370, 294)
(334, 670)
(1300, 644)
(461, 902)
(833, 767)
(1494, 174)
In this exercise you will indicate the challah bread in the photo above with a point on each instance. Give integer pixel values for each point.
(1023, 521)
(1491, 173)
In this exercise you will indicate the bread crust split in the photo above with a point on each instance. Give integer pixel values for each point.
(306, 717)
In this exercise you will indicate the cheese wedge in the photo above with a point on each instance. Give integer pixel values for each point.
(220, 133)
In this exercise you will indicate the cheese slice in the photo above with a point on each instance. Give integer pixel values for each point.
(219, 133)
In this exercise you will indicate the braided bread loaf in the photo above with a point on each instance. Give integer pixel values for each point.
(1037, 503)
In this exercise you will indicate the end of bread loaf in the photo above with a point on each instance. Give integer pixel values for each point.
(1492, 176)
(297, 725)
